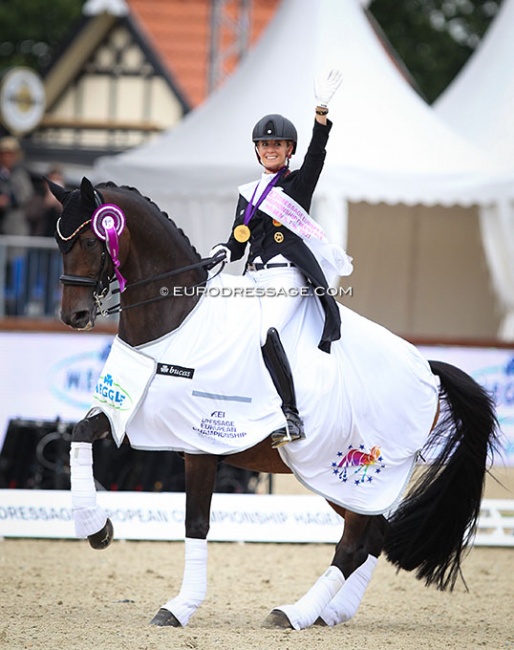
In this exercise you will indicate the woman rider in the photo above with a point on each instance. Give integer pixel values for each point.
(272, 217)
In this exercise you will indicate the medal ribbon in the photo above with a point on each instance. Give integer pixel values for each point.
(108, 222)
(251, 209)
(113, 248)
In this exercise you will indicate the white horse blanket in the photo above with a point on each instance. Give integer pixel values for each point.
(368, 406)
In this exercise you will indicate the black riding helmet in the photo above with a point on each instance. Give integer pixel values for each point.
(275, 127)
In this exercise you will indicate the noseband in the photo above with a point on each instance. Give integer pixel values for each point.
(100, 284)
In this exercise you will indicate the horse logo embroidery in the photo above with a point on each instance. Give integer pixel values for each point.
(357, 465)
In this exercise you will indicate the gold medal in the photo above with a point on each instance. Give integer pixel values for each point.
(276, 223)
(278, 237)
(242, 233)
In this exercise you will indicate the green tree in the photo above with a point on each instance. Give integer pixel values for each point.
(31, 30)
(434, 38)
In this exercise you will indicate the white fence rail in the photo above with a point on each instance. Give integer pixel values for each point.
(496, 523)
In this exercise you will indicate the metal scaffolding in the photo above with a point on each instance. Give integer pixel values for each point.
(230, 37)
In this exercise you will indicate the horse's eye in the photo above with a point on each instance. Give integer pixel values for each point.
(91, 242)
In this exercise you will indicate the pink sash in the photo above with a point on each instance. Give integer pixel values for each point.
(283, 208)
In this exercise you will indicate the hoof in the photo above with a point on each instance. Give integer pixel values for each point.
(102, 538)
(276, 618)
(165, 618)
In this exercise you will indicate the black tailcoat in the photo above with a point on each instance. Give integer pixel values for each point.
(299, 185)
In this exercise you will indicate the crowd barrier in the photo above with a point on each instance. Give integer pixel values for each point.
(29, 277)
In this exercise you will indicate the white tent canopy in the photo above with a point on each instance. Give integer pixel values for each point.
(479, 105)
(387, 145)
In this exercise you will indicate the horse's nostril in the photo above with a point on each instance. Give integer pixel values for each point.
(80, 319)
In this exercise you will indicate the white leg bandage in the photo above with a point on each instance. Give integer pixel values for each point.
(88, 516)
(194, 582)
(306, 610)
(346, 602)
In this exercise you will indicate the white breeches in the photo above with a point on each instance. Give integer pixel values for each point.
(283, 294)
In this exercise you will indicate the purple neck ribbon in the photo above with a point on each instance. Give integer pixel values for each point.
(251, 209)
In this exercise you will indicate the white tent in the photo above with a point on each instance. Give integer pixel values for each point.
(479, 105)
(387, 147)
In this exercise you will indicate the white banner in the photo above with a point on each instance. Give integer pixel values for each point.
(234, 517)
(160, 516)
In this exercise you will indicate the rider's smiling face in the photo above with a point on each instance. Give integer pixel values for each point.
(274, 154)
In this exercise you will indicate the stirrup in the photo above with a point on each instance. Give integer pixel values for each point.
(282, 437)
(293, 431)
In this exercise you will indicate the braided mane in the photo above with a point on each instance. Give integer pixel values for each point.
(127, 188)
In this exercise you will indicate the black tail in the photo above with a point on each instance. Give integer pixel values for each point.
(433, 525)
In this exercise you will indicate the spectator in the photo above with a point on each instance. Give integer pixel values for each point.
(16, 188)
(43, 265)
(44, 209)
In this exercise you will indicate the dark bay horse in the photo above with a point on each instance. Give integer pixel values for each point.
(113, 233)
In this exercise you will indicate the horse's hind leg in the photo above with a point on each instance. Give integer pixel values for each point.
(360, 558)
(90, 519)
(337, 594)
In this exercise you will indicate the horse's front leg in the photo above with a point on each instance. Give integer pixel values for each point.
(90, 518)
(200, 479)
(336, 595)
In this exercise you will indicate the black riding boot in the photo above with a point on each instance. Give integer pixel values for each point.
(278, 367)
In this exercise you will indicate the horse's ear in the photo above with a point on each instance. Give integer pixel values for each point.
(57, 190)
(88, 192)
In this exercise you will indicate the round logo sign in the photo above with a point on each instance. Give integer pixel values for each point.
(22, 100)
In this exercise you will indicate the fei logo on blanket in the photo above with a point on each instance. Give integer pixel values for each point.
(107, 391)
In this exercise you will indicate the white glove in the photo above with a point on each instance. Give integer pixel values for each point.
(324, 89)
(219, 248)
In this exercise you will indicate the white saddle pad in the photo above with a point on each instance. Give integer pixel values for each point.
(367, 407)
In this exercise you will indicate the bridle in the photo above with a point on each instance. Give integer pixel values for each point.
(101, 284)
